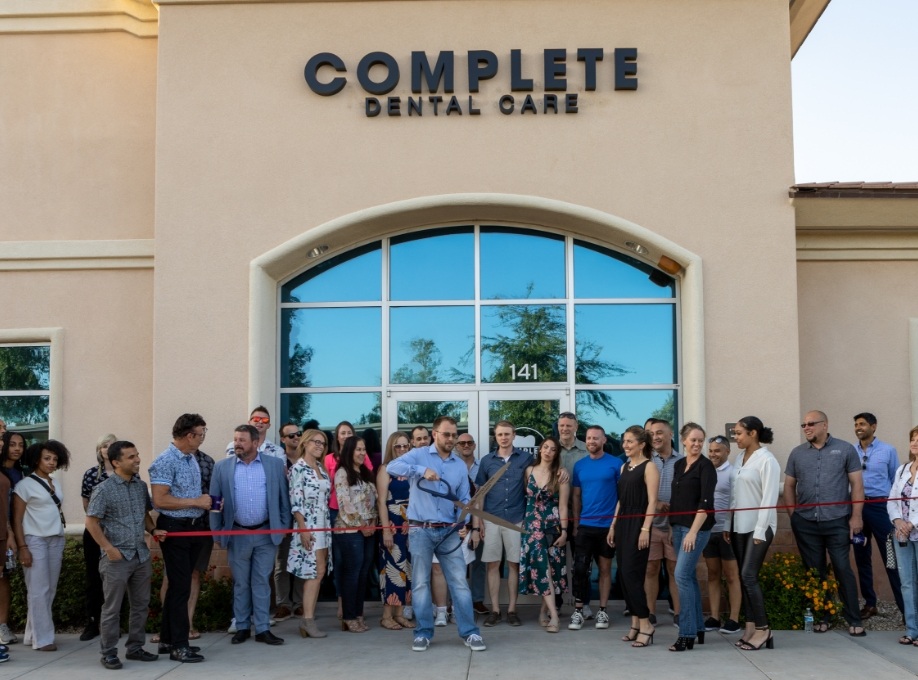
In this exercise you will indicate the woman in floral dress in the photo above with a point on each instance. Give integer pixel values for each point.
(310, 487)
(542, 565)
(394, 559)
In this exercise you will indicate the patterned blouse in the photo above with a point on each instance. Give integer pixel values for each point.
(91, 479)
(356, 504)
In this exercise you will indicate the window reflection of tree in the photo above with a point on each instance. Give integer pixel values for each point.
(295, 366)
(24, 368)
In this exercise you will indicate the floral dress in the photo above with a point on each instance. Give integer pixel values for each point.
(395, 565)
(309, 491)
(542, 567)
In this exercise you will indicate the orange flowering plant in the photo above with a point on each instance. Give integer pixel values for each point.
(790, 588)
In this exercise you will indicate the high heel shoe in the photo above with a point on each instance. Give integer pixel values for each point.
(352, 626)
(628, 638)
(637, 643)
(769, 643)
(682, 643)
(700, 637)
(308, 628)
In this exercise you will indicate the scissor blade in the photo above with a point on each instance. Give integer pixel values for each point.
(494, 519)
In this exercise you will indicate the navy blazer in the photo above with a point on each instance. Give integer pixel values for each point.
(221, 484)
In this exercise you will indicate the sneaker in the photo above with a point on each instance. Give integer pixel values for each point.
(480, 608)
(731, 627)
(4, 657)
(111, 662)
(627, 612)
(602, 619)
(493, 619)
(420, 644)
(282, 613)
(232, 626)
(440, 619)
(587, 612)
(7, 637)
(711, 624)
(475, 643)
(408, 612)
(576, 620)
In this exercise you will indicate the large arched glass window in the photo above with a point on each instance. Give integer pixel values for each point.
(472, 310)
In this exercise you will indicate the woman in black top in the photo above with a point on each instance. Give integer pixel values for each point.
(692, 505)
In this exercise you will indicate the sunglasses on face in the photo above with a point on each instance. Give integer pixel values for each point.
(293, 434)
(264, 420)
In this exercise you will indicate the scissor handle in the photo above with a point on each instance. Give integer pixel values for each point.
(448, 494)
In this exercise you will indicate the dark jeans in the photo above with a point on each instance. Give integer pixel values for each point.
(94, 596)
(749, 558)
(814, 538)
(353, 557)
(876, 527)
(180, 555)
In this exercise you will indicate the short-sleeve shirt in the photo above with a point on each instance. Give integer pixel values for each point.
(181, 473)
(206, 463)
(91, 479)
(722, 494)
(122, 510)
(41, 518)
(666, 468)
(822, 477)
(507, 498)
(597, 479)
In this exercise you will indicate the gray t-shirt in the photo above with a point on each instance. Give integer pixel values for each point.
(822, 477)
(665, 493)
(722, 495)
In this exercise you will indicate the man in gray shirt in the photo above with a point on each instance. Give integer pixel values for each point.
(661, 539)
(826, 470)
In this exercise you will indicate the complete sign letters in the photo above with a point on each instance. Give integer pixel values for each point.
(325, 71)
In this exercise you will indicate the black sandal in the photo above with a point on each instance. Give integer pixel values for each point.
(906, 640)
(627, 638)
(637, 643)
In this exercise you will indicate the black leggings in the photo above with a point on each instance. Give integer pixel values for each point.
(750, 557)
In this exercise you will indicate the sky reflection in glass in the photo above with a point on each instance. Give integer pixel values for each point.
(352, 277)
(433, 265)
(432, 345)
(603, 273)
(520, 264)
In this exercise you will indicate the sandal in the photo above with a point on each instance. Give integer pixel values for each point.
(852, 633)
(544, 618)
(194, 635)
(638, 644)
(628, 638)
(155, 638)
(821, 627)
(552, 626)
(389, 623)
(906, 640)
(402, 621)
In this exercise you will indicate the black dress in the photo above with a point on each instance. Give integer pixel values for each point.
(632, 562)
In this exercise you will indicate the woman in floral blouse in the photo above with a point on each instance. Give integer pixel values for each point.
(355, 529)
(394, 559)
(310, 487)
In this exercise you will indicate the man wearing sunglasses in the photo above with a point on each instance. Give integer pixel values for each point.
(465, 447)
(288, 589)
(825, 478)
(879, 461)
(260, 419)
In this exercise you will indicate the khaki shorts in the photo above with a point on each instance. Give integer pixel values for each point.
(661, 545)
(500, 540)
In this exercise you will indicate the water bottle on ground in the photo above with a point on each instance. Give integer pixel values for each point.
(808, 621)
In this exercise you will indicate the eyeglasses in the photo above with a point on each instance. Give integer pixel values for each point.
(567, 414)
(318, 442)
(466, 443)
(198, 434)
(293, 434)
(812, 423)
(402, 446)
(264, 420)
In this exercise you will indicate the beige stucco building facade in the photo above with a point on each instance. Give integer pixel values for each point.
(165, 168)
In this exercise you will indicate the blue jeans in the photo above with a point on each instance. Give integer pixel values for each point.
(353, 557)
(422, 543)
(691, 620)
(907, 561)
(251, 557)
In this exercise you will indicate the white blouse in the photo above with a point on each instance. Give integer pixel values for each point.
(755, 485)
(41, 517)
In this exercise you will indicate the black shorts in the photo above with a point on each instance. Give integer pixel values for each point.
(718, 547)
(592, 541)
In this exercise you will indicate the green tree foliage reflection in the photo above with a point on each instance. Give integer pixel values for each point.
(24, 368)
(667, 412)
(295, 366)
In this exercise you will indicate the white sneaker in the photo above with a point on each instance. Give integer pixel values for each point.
(408, 612)
(272, 622)
(232, 626)
(602, 619)
(420, 644)
(7, 637)
(587, 612)
(475, 643)
(576, 620)
(441, 619)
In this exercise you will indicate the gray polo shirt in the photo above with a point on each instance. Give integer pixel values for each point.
(665, 493)
(570, 457)
(822, 477)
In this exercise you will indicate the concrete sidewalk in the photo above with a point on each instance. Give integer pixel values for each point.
(525, 652)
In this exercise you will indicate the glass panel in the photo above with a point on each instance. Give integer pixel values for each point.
(433, 265)
(523, 343)
(362, 409)
(432, 345)
(331, 347)
(617, 410)
(603, 273)
(414, 413)
(354, 276)
(28, 415)
(640, 351)
(25, 367)
(532, 418)
(520, 264)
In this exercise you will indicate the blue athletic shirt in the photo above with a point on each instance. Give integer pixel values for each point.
(598, 482)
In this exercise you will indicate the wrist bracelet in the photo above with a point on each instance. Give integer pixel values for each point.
(643, 529)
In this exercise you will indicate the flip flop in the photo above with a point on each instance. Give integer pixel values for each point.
(821, 627)
(906, 640)
(851, 632)
(194, 635)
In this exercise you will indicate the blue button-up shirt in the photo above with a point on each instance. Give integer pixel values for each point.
(250, 493)
(507, 498)
(880, 462)
(180, 472)
(423, 507)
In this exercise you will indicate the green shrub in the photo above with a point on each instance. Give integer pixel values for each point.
(789, 589)
(214, 610)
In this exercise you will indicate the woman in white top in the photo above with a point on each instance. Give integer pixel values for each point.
(756, 482)
(903, 512)
(38, 524)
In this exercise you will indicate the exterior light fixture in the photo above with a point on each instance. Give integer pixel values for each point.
(637, 247)
(317, 251)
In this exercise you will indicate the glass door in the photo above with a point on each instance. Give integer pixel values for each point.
(407, 410)
(533, 413)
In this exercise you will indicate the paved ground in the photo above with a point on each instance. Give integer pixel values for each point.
(525, 652)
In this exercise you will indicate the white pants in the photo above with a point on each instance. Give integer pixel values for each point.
(41, 583)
